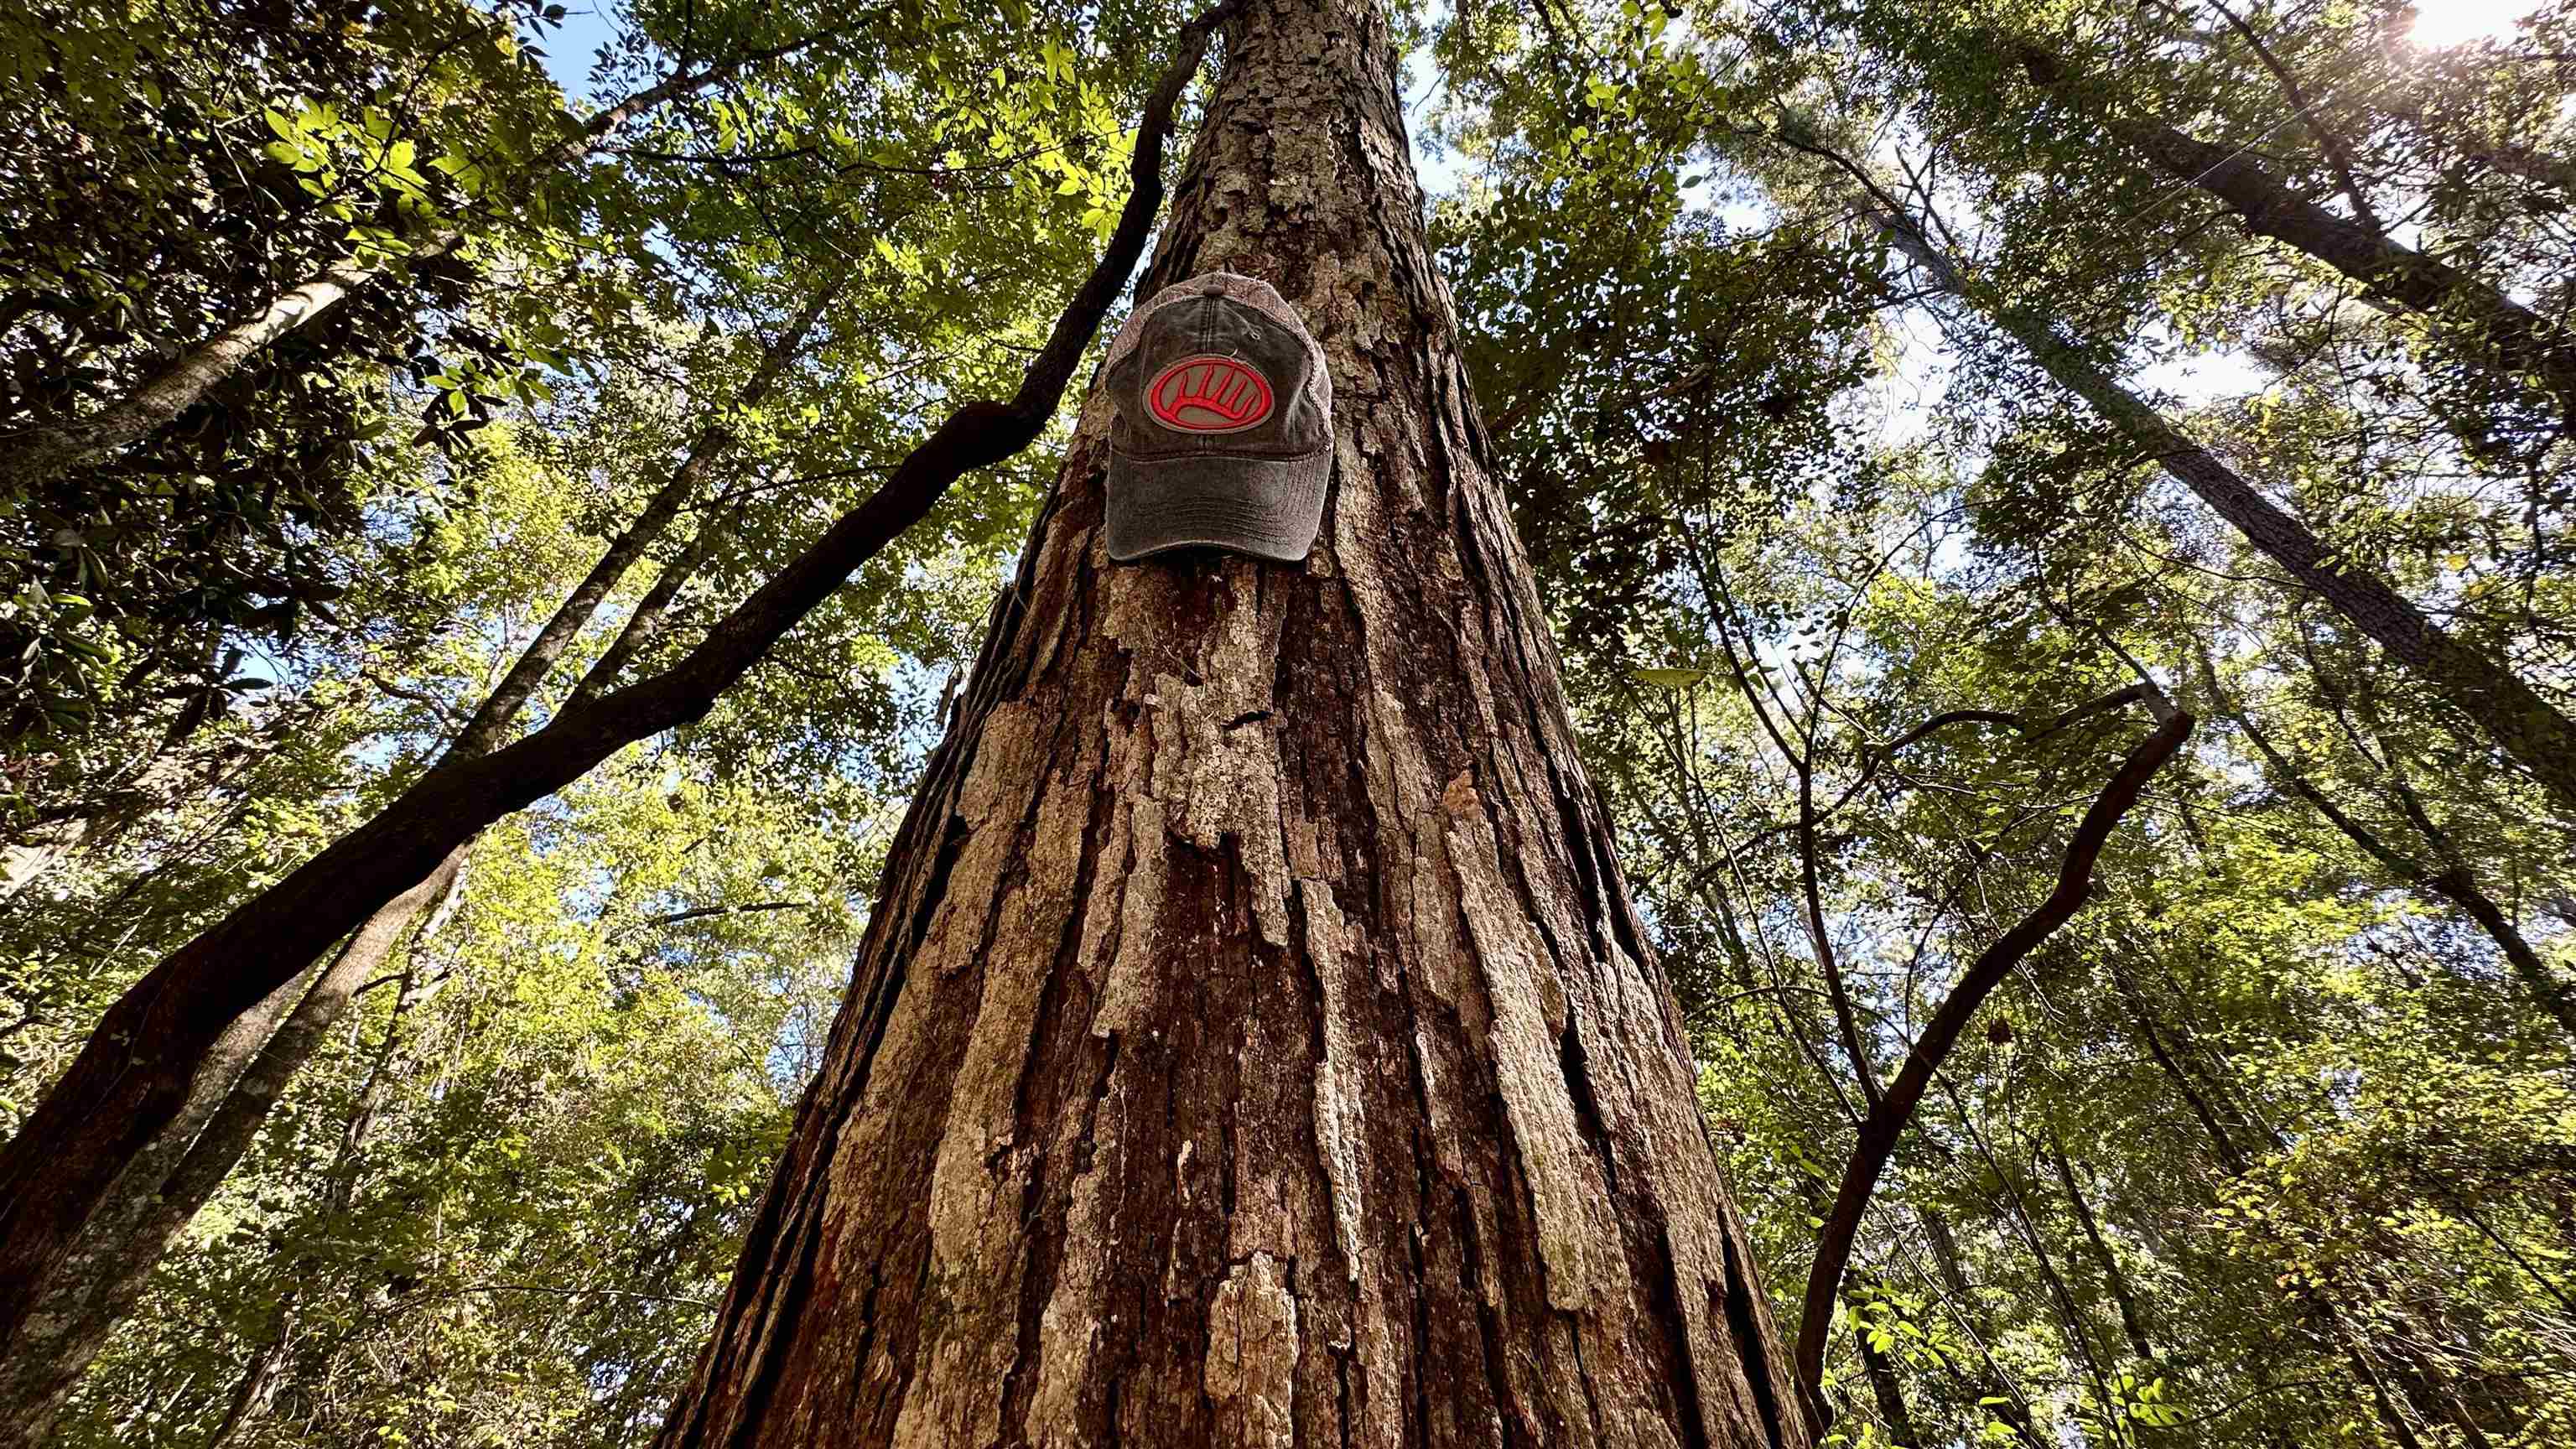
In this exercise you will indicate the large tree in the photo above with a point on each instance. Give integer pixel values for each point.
(1255, 1042)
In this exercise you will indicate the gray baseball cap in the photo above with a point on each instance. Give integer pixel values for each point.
(1224, 434)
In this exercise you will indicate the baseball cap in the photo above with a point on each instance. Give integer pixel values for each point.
(1224, 433)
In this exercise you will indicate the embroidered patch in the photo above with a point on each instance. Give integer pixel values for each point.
(1209, 394)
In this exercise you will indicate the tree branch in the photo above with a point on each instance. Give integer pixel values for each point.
(1887, 1121)
(134, 1074)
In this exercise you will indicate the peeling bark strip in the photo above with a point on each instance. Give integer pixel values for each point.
(1254, 1044)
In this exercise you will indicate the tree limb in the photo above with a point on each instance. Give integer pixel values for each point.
(1887, 1121)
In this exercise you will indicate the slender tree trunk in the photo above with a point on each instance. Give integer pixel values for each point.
(500, 709)
(1889, 1392)
(2528, 728)
(119, 1249)
(2455, 884)
(2070, 1314)
(125, 1242)
(2474, 321)
(2132, 1323)
(1888, 1118)
(137, 1071)
(261, 1378)
(1254, 1044)
(2231, 1156)
(35, 454)
(2009, 1405)
(70, 1325)
(265, 1371)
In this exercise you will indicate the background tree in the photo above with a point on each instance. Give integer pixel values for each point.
(2266, 1145)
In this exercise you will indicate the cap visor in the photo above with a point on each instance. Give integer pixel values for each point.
(1266, 507)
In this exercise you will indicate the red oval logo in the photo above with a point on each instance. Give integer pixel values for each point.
(1209, 394)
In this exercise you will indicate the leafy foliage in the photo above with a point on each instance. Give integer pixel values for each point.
(2272, 1144)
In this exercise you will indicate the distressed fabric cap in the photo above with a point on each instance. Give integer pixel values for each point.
(1224, 433)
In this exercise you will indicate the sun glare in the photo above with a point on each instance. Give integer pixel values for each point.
(2440, 23)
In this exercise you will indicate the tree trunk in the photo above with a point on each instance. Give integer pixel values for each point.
(33, 455)
(106, 1276)
(2455, 883)
(70, 1324)
(120, 1246)
(1254, 1043)
(265, 1372)
(2132, 1323)
(260, 1380)
(2527, 727)
(1889, 1392)
(2477, 323)
(139, 1068)
(493, 718)
(1998, 1394)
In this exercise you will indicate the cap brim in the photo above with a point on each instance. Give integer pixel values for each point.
(1266, 507)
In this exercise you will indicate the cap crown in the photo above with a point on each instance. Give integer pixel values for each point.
(1224, 429)
(1218, 366)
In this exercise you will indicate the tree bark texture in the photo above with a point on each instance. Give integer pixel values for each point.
(2529, 728)
(1254, 1044)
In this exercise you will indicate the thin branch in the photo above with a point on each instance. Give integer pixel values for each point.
(1879, 1134)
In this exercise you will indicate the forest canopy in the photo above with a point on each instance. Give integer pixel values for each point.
(2054, 520)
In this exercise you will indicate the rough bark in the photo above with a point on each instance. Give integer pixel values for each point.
(138, 1069)
(2525, 726)
(2474, 321)
(35, 454)
(1253, 1043)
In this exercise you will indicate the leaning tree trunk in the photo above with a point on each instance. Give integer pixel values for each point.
(1254, 1043)
(161, 1194)
(2527, 726)
(2476, 322)
(180, 1170)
